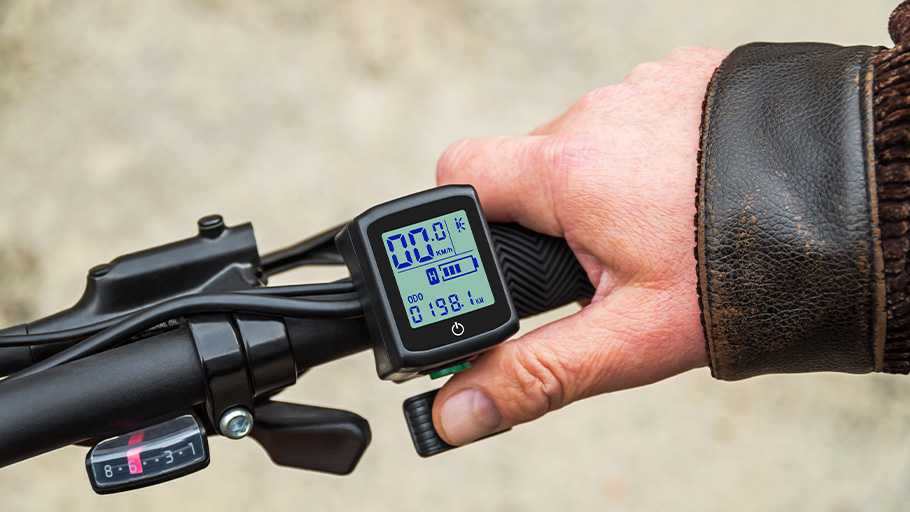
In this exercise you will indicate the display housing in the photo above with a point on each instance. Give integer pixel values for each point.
(390, 277)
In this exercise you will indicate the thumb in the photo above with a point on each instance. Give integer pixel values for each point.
(631, 338)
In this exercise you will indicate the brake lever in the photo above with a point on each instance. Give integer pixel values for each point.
(308, 437)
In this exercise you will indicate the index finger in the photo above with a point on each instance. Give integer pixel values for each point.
(511, 175)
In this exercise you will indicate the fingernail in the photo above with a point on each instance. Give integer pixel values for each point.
(469, 415)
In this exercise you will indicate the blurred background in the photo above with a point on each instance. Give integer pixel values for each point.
(121, 123)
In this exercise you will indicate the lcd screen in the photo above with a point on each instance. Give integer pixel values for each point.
(439, 272)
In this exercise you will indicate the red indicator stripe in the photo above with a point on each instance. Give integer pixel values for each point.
(133, 456)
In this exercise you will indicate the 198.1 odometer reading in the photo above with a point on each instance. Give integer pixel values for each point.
(438, 270)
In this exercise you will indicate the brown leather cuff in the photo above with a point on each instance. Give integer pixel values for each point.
(790, 267)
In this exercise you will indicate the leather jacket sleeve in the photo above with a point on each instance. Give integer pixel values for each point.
(803, 200)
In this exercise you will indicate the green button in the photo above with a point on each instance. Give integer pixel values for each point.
(450, 370)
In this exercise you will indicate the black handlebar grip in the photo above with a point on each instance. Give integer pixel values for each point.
(541, 271)
(112, 391)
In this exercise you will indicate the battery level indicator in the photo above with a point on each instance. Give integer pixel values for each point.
(458, 268)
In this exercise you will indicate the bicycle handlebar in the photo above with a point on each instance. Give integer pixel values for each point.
(138, 384)
(114, 391)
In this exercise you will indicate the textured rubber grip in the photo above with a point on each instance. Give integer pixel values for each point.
(541, 271)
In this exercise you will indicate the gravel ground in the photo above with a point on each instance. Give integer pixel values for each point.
(121, 123)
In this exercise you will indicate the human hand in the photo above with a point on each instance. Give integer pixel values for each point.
(614, 175)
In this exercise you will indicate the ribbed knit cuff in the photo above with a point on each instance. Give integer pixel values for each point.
(892, 149)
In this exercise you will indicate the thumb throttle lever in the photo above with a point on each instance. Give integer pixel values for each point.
(418, 413)
(314, 438)
(542, 273)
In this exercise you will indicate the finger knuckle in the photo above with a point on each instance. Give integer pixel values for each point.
(645, 71)
(451, 160)
(540, 381)
(605, 95)
(572, 151)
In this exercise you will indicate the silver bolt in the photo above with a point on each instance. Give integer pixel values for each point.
(236, 423)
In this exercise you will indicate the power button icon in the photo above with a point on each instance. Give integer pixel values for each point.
(457, 329)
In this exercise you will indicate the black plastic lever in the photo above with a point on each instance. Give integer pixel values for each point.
(418, 413)
(307, 437)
